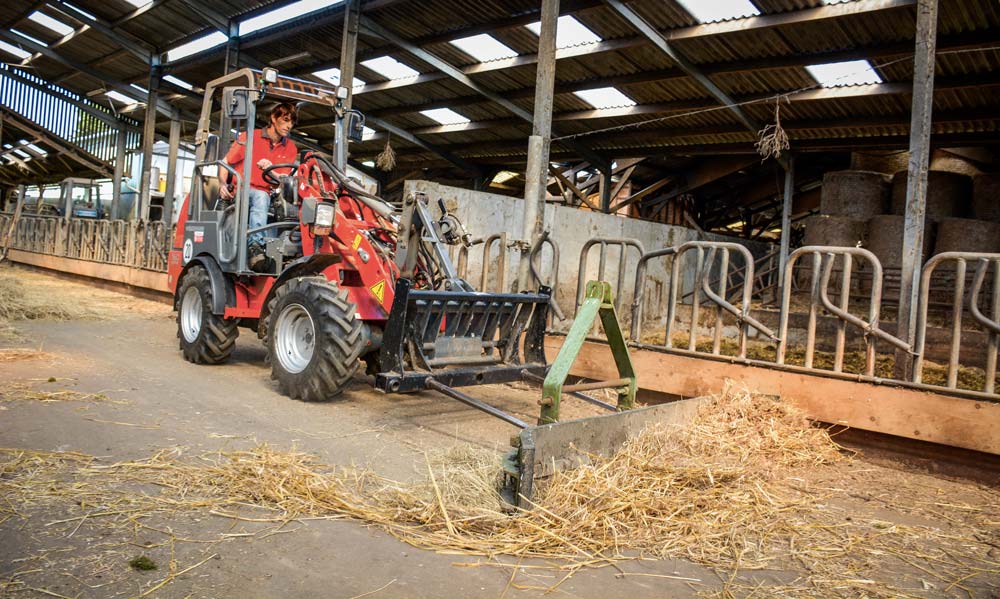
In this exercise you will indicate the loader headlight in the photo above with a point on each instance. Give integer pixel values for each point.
(323, 221)
(324, 216)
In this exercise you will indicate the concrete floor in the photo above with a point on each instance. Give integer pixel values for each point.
(134, 357)
(171, 403)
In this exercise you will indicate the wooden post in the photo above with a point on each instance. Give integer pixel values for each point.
(536, 174)
(348, 51)
(175, 140)
(148, 138)
(786, 218)
(916, 181)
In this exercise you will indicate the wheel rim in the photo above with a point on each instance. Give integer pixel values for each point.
(191, 314)
(294, 338)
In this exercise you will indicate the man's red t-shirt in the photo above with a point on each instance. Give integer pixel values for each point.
(283, 152)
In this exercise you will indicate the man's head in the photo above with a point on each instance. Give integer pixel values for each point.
(284, 116)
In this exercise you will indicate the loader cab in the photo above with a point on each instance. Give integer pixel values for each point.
(216, 226)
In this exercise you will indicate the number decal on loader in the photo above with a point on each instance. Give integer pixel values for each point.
(378, 290)
(357, 244)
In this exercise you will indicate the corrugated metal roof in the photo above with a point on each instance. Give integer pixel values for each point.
(748, 62)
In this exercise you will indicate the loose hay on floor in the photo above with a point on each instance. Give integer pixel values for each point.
(27, 295)
(749, 485)
(42, 392)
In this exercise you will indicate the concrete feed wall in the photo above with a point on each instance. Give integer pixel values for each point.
(485, 214)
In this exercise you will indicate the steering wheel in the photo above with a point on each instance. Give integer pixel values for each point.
(268, 176)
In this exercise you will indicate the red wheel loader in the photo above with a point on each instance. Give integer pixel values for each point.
(348, 279)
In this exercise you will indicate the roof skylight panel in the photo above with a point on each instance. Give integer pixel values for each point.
(285, 13)
(445, 116)
(605, 97)
(332, 76)
(569, 32)
(709, 11)
(138, 3)
(26, 36)
(484, 47)
(211, 40)
(58, 27)
(390, 68)
(837, 74)
(178, 82)
(121, 98)
(35, 148)
(14, 50)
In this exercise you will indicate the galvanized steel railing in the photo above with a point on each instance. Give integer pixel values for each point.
(991, 325)
(710, 288)
(604, 243)
(136, 244)
(824, 257)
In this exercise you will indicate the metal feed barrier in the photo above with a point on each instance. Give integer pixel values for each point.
(713, 270)
(145, 245)
(138, 244)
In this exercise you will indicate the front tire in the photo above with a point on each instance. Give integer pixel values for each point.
(205, 338)
(314, 339)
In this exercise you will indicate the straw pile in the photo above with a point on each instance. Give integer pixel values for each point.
(749, 485)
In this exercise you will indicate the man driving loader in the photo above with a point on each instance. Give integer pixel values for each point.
(271, 146)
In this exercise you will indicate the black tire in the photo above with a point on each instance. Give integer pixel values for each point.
(205, 338)
(314, 340)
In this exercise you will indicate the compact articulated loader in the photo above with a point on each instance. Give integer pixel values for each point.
(347, 280)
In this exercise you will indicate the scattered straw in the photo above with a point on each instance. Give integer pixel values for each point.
(750, 484)
(17, 391)
(19, 354)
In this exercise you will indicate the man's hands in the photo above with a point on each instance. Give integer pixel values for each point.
(226, 191)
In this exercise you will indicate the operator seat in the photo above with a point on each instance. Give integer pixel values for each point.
(210, 185)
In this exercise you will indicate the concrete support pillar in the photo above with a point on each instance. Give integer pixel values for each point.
(538, 144)
(116, 193)
(916, 183)
(786, 218)
(348, 51)
(148, 138)
(174, 144)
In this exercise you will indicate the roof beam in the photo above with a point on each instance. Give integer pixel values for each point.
(660, 42)
(103, 116)
(406, 135)
(819, 94)
(214, 18)
(831, 11)
(965, 40)
(456, 74)
(331, 15)
(443, 66)
(13, 37)
(137, 12)
(657, 139)
(63, 148)
(139, 50)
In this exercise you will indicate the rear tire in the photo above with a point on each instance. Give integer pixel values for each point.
(314, 339)
(205, 338)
